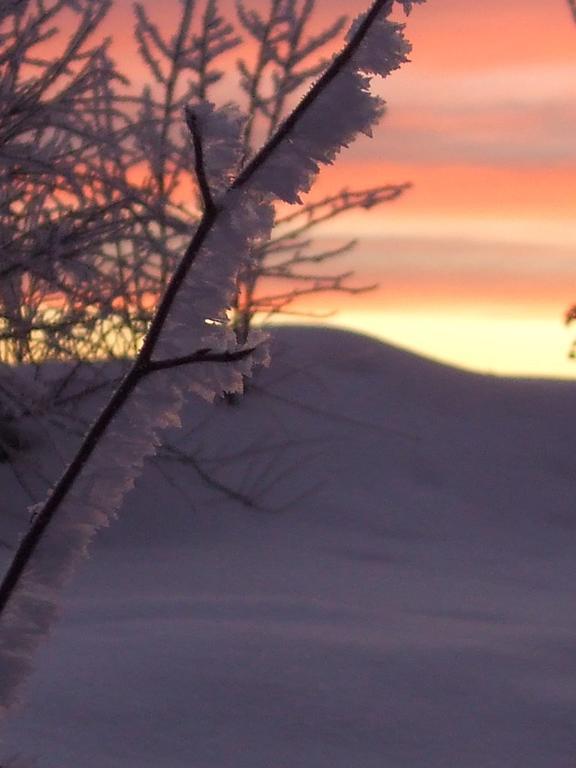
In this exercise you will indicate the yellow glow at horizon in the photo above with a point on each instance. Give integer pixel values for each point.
(515, 346)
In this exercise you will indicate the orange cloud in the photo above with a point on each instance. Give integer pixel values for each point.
(482, 123)
(474, 191)
(462, 34)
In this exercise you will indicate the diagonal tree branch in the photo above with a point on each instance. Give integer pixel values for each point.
(334, 69)
(33, 617)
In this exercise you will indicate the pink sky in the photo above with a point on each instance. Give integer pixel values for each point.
(482, 122)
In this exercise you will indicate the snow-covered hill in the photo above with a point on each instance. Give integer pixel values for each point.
(401, 594)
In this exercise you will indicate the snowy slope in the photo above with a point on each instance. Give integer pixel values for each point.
(402, 597)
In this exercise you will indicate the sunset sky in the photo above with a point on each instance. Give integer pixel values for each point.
(477, 263)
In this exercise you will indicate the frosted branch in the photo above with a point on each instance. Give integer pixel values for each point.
(192, 315)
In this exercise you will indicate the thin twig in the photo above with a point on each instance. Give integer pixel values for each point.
(206, 477)
(201, 356)
(203, 185)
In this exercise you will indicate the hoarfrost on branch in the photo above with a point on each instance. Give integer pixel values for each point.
(190, 346)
